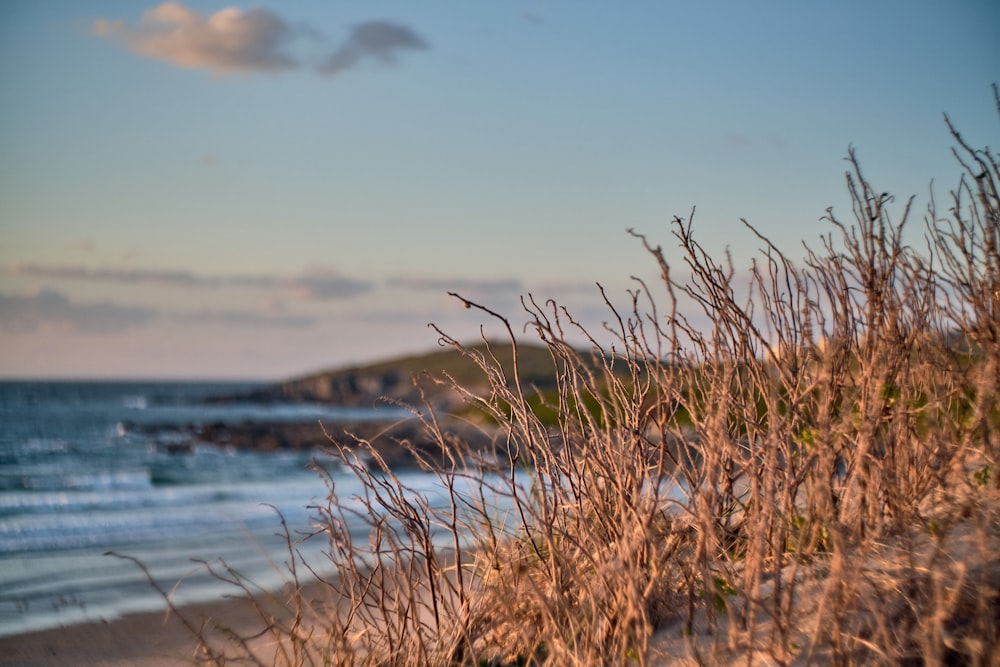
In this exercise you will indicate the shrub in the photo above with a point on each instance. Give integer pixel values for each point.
(810, 477)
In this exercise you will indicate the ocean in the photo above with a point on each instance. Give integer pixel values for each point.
(92, 467)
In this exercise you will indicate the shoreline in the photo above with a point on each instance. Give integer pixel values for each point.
(155, 638)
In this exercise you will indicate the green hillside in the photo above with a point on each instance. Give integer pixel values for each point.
(399, 378)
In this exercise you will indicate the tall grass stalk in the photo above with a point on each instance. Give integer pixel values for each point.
(813, 477)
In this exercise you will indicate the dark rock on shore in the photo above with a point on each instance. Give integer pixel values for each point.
(397, 443)
(263, 437)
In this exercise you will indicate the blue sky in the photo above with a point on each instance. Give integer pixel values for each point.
(203, 189)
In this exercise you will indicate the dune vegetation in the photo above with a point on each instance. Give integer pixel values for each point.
(811, 479)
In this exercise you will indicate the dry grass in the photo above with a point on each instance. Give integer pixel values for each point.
(811, 479)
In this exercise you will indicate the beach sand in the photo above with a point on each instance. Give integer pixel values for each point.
(160, 638)
(150, 639)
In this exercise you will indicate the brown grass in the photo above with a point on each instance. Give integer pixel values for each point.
(810, 479)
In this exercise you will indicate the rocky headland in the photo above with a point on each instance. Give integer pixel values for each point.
(417, 381)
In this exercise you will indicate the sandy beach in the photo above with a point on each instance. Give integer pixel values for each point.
(152, 639)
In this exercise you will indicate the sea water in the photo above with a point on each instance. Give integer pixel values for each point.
(88, 468)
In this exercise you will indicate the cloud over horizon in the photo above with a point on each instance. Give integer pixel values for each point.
(236, 41)
(316, 285)
(442, 285)
(51, 308)
(243, 318)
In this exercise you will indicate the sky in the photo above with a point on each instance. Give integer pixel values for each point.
(257, 191)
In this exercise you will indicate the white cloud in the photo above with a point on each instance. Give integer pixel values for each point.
(237, 41)
(227, 42)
